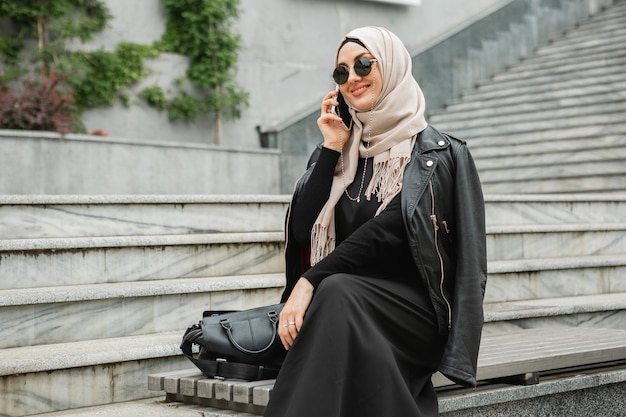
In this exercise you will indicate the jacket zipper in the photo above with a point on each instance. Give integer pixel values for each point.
(433, 218)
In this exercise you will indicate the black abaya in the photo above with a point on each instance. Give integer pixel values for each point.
(366, 349)
(369, 343)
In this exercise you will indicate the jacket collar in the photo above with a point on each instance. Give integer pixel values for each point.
(430, 139)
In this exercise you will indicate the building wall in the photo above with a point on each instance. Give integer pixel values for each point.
(285, 64)
(41, 163)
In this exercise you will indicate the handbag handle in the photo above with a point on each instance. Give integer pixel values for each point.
(227, 326)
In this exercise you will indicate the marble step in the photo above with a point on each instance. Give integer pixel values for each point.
(80, 374)
(610, 183)
(595, 311)
(547, 122)
(539, 62)
(32, 263)
(150, 407)
(586, 38)
(568, 147)
(584, 70)
(592, 175)
(519, 95)
(525, 75)
(532, 210)
(545, 91)
(535, 242)
(539, 157)
(540, 278)
(56, 314)
(576, 178)
(613, 18)
(81, 312)
(456, 111)
(487, 136)
(66, 376)
(609, 174)
(601, 44)
(27, 216)
(107, 208)
(461, 121)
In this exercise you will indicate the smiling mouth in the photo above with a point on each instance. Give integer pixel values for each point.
(360, 90)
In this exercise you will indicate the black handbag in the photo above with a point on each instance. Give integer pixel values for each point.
(237, 344)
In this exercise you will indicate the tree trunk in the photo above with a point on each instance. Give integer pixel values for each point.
(42, 41)
(218, 128)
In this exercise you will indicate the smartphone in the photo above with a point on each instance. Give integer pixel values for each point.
(333, 108)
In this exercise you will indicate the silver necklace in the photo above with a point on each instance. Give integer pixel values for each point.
(367, 150)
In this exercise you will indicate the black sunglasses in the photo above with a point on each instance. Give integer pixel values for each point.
(362, 67)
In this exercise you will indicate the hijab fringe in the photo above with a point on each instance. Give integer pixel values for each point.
(386, 180)
(321, 243)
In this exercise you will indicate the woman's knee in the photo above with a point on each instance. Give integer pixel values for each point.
(333, 286)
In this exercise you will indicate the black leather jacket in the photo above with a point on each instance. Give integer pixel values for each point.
(443, 210)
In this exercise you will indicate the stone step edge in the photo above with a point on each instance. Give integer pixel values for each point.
(575, 57)
(152, 288)
(573, 52)
(149, 407)
(83, 243)
(523, 79)
(562, 263)
(566, 198)
(499, 115)
(582, 42)
(48, 358)
(239, 198)
(529, 160)
(155, 288)
(526, 75)
(609, 171)
(564, 133)
(97, 242)
(545, 125)
(474, 100)
(501, 100)
(556, 228)
(549, 307)
(506, 149)
(141, 199)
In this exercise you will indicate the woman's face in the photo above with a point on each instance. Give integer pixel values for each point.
(360, 91)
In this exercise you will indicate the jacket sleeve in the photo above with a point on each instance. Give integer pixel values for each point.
(461, 352)
(297, 253)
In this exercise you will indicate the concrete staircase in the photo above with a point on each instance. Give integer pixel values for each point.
(554, 122)
(555, 260)
(102, 298)
(96, 291)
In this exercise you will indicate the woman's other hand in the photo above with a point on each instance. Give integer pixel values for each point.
(330, 124)
(292, 314)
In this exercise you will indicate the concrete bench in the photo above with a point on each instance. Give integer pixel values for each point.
(513, 357)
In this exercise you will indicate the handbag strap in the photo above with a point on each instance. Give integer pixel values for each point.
(272, 317)
(221, 368)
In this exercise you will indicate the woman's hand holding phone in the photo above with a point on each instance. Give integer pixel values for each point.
(330, 124)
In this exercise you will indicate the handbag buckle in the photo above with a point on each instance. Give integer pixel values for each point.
(219, 362)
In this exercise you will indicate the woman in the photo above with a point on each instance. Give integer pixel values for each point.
(386, 265)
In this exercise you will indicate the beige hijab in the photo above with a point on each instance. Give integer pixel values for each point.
(396, 118)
